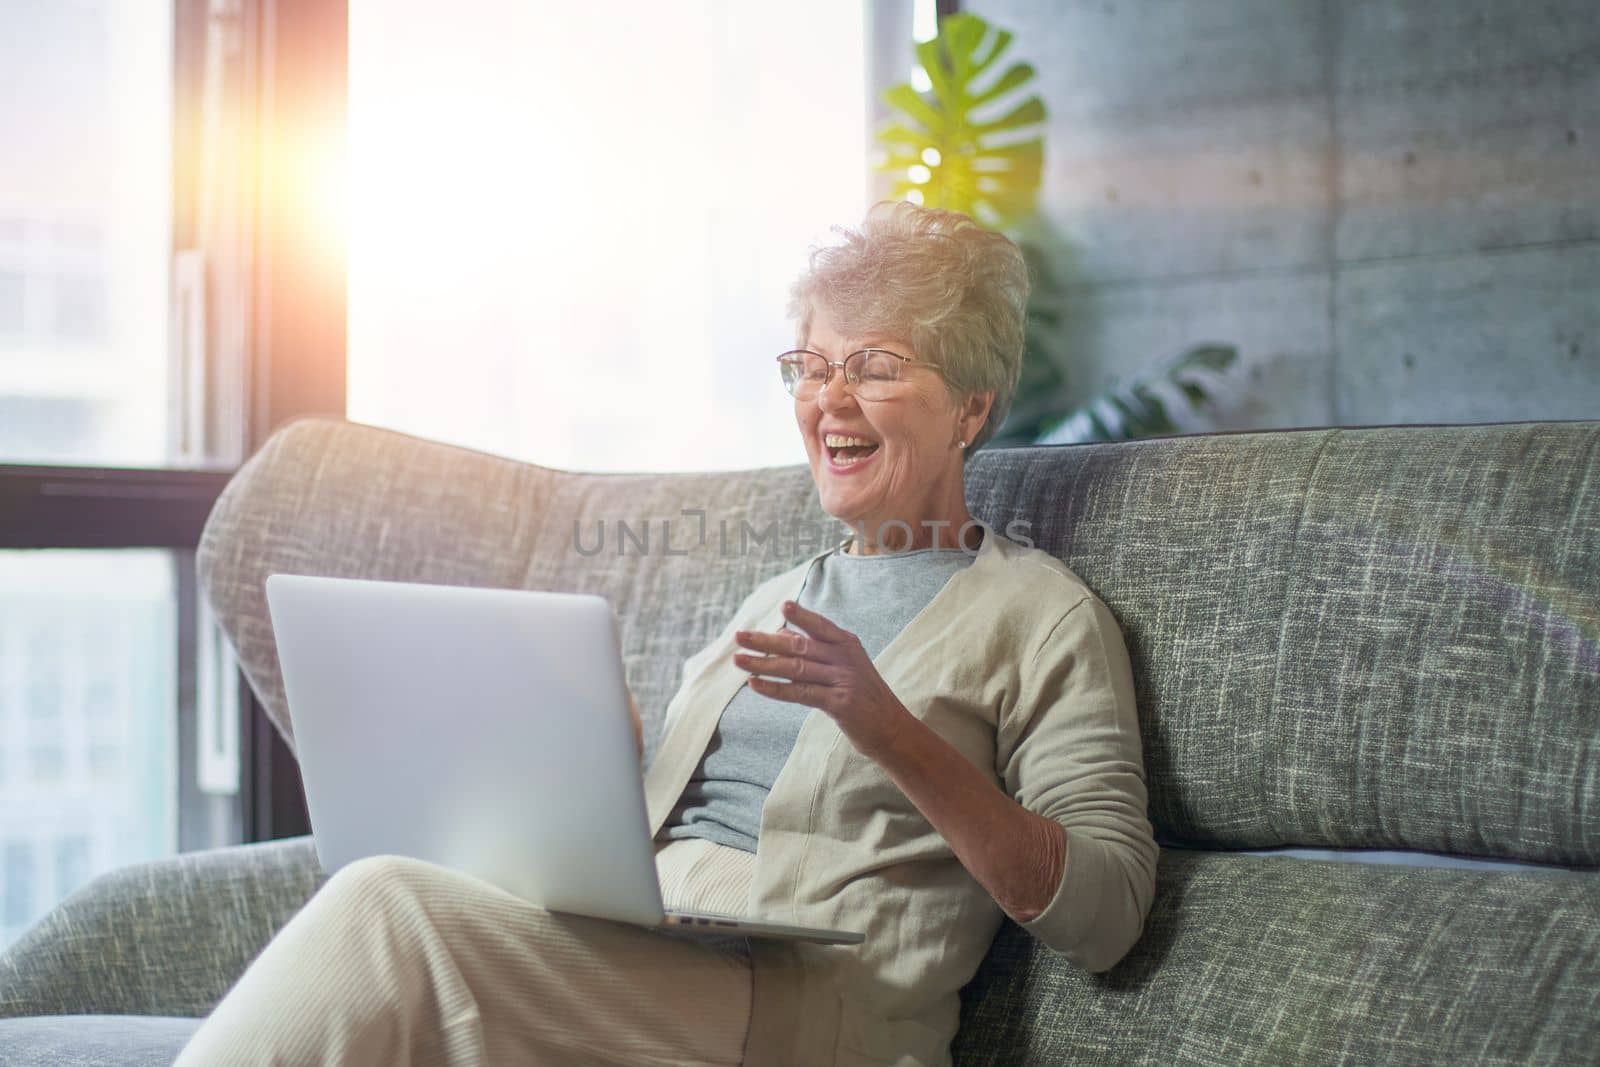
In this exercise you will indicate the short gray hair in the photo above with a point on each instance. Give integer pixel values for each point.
(956, 291)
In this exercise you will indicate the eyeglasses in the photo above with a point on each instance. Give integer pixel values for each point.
(870, 374)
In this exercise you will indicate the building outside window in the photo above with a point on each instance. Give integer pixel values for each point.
(88, 639)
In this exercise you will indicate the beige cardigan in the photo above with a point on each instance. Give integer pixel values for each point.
(1022, 668)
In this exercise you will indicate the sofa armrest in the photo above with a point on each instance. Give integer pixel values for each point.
(162, 938)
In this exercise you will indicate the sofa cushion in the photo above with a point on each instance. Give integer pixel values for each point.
(1378, 637)
(1250, 959)
(94, 1040)
(1187, 540)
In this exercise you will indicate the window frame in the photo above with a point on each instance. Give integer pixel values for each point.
(293, 70)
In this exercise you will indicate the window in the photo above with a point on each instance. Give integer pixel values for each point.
(588, 265)
(85, 231)
(88, 654)
(19, 907)
(85, 243)
(145, 213)
(71, 862)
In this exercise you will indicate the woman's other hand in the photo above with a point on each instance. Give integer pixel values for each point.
(828, 669)
(638, 726)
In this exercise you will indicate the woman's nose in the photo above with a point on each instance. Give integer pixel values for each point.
(833, 394)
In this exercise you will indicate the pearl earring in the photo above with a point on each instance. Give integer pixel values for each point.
(963, 444)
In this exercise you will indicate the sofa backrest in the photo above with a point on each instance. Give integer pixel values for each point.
(1343, 637)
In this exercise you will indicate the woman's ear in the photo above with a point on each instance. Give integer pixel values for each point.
(974, 413)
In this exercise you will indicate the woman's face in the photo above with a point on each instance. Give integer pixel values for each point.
(912, 471)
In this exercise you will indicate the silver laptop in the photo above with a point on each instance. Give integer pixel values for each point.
(485, 730)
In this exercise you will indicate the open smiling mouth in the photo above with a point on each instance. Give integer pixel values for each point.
(846, 451)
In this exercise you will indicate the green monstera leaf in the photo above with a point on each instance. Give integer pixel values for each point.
(967, 141)
(973, 145)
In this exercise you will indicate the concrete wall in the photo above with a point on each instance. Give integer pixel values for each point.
(1392, 208)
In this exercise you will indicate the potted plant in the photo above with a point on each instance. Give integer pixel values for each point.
(973, 143)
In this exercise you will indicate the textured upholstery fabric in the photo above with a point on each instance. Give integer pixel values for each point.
(1275, 961)
(1356, 638)
(1244, 960)
(1381, 637)
(161, 938)
(94, 1040)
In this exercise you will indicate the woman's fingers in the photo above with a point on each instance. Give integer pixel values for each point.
(638, 724)
(826, 667)
(807, 693)
(801, 670)
(816, 629)
(809, 661)
(783, 644)
(819, 626)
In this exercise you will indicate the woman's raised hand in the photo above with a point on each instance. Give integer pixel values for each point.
(828, 669)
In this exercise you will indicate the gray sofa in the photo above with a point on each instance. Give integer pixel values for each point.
(1343, 639)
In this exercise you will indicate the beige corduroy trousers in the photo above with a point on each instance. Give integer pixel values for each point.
(397, 961)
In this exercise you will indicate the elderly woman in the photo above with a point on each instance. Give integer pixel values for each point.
(914, 735)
